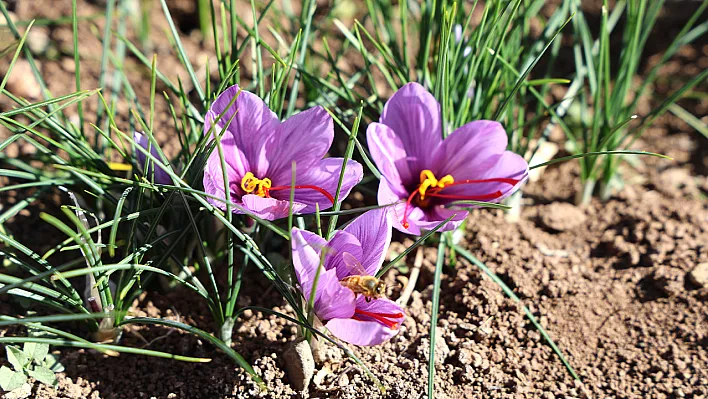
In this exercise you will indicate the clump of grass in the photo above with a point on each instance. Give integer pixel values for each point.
(604, 123)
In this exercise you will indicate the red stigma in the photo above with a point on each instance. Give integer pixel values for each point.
(305, 186)
(383, 318)
(512, 182)
(481, 197)
(435, 193)
(405, 211)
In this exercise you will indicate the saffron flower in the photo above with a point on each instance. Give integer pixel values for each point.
(151, 172)
(424, 175)
(356, 319)
(259, 151)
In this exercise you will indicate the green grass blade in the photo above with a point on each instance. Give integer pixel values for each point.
(77, 64)
(687, 117)
(20, 46)
(523, 76)
(510, 293)
(315, 331)
(347, 156)
(203, 335)
(439, 263)
(116, 221)
(116, 348)
(585, 154)
(415, 245)
(182, 53)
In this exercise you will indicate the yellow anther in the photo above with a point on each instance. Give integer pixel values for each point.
(117, 166)
(428, 180)
(447, 179)
(251, 183)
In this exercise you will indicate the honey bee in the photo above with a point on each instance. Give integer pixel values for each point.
(362, 282)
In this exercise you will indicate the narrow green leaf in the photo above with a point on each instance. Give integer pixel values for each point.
(116, 221)
(626, 152)
(689, 118)
(116, 348)
(510, 293)
(347, 156)
(415, 245)
(203, 335)
(20, 46)
(182, 53)
(77, 64)
(439, 264)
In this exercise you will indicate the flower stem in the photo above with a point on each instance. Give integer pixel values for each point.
(415, 272)
(583, 197)
(513, 214)
(439, 263)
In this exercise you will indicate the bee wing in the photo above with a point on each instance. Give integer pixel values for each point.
(354, 266)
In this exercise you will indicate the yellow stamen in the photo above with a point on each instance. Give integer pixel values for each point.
(117, 166)
(428, 180)
(251, 183)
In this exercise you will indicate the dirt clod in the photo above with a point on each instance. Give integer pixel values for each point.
(669, 280)
(299, 364)
(560, 216)
(699, 275)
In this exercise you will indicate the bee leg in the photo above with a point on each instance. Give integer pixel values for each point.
(368, 299)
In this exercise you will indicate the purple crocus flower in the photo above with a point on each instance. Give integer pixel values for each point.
(259, 151)
(160, 176)
(353, 318)
(422, 174)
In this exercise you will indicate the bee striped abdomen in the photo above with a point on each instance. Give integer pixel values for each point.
(369, 286)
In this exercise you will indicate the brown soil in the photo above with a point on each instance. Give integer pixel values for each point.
(609, 283)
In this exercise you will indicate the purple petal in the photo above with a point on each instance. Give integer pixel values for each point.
(367, 331)
(344, 250)
(324, 175)
(505, 165)
(161, 177)
(332, 300)
(268, 208)
(304, 138)
(362, 333)
(389, 154)
(414, 115)
(468, 147)
(253, 125)
(306, 257)
(335, 301)
(313, 240)
(373, 230)
(236, 168)
(389, 193)
(477, 151)
(437, 214)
